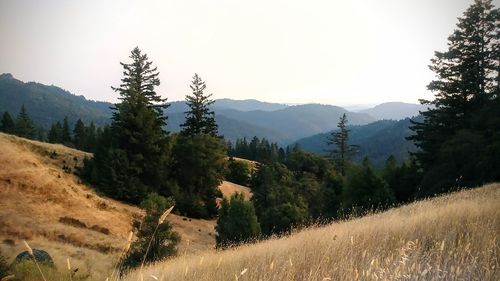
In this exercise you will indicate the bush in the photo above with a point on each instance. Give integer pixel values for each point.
(163, 240)
(237, 222)
(238, 172)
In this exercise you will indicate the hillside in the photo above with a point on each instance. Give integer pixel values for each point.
(295, 122)
(43, 202)
(236, 118)
(377, 140)
(49, 104)
(453, 237)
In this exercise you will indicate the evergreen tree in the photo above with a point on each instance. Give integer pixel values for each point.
(80, 135)
(66, 134)
(7, 125)
(466, 85)
(55, 133)
(92, 135)
(152, 233)
(136, 136)
(200, 119)
(199, 167)
(237, 222)
(343, 151)
(24, 125)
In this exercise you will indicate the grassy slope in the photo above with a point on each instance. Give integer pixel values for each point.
(35, 192)
(454, 237)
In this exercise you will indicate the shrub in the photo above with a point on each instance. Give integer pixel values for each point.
(237, 222)
(153, 234)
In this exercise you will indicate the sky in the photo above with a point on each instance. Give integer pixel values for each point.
(341, 52)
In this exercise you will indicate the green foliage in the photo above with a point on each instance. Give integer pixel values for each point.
(131, 158)
(364, 190)
(55, 133)
(344, 151)
(24, 126)
(237, 222)
(457, 140)
(238, 171)
(200, 119)
(160, 238)
(199, 167)
(7, 125)
(260, 150)
(403, 179)
(276, 199)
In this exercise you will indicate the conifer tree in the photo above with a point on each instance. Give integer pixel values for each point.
(343, 151)
(55, 133)
(80, 135)
(466, 84)
(24, 125)
(200, 119)
(136, 137)
(7, 125)
(66, 134)
(156, 239)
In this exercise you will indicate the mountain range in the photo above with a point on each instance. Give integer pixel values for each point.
(285, 124)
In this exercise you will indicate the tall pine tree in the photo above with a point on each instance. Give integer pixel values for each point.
(452, 141)
(200, 118)
(24, 125)
(131, 159)
(343, 151)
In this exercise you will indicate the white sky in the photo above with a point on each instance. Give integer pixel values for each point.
(336, 52)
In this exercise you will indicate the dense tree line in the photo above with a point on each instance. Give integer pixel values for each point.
(136, 156)
(260, 150)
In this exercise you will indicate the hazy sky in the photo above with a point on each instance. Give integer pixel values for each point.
(335, 51)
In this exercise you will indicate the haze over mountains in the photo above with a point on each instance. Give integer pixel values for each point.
(285, 124)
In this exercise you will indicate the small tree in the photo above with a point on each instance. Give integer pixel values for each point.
(80, 135)
(200, 119)
(24, 125)
(237, 222)
(66, 134)
(343, 151)
(153, 235)
(55, 133)
(7, 125)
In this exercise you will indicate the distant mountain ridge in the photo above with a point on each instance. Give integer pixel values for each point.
(394, 110)
(279, 123)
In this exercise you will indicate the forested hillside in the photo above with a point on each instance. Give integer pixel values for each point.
(377, 141)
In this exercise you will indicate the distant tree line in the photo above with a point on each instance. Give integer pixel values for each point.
(81, 137)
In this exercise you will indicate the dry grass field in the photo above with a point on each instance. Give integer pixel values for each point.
(43, 202)
(453, 237)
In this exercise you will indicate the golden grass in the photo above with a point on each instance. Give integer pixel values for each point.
(454, 237)
(36, 192)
